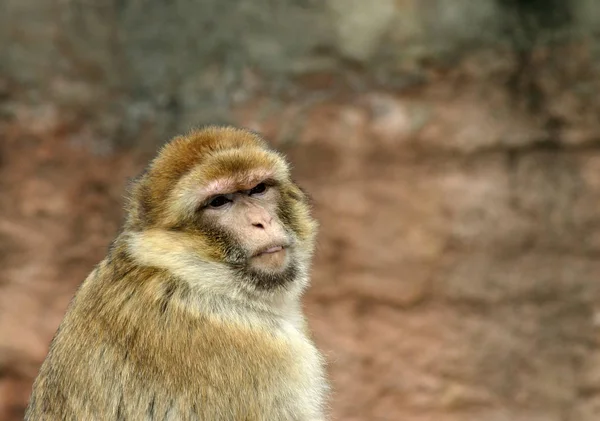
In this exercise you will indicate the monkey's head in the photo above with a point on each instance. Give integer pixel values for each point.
(219, 202)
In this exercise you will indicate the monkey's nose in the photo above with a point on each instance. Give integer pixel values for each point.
(259, 218)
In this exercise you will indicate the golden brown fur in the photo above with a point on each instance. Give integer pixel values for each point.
(163, 330)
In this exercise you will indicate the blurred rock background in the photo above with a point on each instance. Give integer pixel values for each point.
(452, 148)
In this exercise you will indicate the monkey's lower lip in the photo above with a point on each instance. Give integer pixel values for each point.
(272, 250)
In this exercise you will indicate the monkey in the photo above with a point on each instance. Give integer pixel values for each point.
(195, 313)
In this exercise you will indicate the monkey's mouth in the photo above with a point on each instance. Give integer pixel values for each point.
(271, 249)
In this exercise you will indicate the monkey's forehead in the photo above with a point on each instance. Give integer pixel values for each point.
(234, 170)
(244, 180)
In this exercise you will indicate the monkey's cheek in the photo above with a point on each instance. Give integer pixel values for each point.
(272, 262)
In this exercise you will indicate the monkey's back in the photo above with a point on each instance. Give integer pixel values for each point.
(129, 348)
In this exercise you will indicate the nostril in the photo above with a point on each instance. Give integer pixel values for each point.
(258, 225)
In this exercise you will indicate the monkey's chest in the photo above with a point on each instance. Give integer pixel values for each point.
(246, 374)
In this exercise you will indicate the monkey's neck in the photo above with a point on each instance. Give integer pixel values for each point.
(249, 313)
(169, 271)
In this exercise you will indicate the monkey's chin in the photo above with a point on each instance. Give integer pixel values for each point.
(270, 262)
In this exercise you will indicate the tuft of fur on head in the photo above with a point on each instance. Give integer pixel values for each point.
(161, 229)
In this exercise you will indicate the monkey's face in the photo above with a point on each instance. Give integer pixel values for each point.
(250, 221)
(223, 197)
(246, 227)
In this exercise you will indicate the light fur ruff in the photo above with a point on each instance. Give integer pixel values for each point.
(162, 329)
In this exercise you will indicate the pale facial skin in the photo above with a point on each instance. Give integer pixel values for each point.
(250, 215)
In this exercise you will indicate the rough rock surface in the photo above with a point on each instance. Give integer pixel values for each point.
(458, 271)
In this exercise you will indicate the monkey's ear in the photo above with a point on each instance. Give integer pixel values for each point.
(298, 193)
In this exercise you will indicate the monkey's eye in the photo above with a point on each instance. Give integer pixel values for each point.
(258, 189)
(218, 202)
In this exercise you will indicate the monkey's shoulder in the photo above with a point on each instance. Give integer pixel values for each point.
(277, 363)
